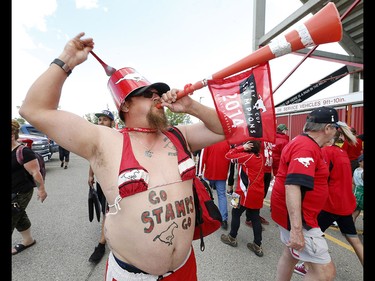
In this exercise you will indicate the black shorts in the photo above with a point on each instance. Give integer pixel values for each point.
(345, 223)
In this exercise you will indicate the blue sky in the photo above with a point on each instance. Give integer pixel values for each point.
(176, 42)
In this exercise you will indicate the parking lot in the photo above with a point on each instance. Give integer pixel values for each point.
(65, 239)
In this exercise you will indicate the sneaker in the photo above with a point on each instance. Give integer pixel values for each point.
(264, 221)
(300, 269)
(66, 167)
(256, 249)
(250, 224)
(62, 164)
(98, 253)
(227, 239)
(224, 225)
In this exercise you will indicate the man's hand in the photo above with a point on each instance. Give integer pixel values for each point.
(76, 50)
(169, 99)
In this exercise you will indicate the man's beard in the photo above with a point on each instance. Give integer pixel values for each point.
(157, 120)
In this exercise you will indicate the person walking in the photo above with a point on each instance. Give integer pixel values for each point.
(143, 169)
(341, 201)
(24, 178)
(215, 170)
(249, 193)
(266, 150)
(299, 194)
(64, 157)
(105, 118)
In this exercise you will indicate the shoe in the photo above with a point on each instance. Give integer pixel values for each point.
(224, 225)
(20, 247)
(62, 164)
(250, 224)
(264, 221)
(227, 239)
(98, 253)
(300, 269)
(256, 249)
(66, 167)
(229, 192)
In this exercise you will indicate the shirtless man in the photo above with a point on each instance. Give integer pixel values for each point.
(147, 182)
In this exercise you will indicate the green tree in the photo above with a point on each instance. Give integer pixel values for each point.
(20, 120)
(91, 118)
(177, 118)
(173, 118)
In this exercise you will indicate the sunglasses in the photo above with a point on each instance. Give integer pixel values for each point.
(148, 94)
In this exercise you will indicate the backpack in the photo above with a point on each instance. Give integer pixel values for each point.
(42, 165)
(207, 215)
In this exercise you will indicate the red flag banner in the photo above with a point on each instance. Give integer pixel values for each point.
(246, 100)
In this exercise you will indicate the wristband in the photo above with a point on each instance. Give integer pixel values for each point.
(63, 66)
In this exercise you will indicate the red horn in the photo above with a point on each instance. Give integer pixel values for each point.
(324, 27)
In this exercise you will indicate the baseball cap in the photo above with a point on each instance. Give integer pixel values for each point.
(282, 127)
(160, 87)
(323, 114)
(106, 113)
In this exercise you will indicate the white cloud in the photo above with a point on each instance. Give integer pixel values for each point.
(24, 13)
(161, 43)
(86, 4)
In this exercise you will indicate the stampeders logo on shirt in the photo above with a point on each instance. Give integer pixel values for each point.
(305, 161)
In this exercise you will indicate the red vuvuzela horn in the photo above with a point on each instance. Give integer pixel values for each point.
(324, 27)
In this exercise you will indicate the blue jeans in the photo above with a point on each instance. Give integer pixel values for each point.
(221, 189)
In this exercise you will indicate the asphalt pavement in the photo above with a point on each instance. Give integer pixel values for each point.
(65, 239)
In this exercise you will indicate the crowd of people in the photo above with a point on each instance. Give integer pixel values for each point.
(308, 193)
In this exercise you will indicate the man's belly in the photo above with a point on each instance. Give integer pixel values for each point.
(153, 230)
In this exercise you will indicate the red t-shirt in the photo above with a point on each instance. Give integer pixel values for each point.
(341, 200)
(214, 163)
(301, 164)
(353, 150)
(280, 142)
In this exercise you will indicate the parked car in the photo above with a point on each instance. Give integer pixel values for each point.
(31, 130)
(38, 144)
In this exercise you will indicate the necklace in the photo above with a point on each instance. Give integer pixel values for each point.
(142, 130)
(148, 153)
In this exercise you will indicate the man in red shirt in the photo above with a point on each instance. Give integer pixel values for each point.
(341, 201)
(215, 169)
(299, 194)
